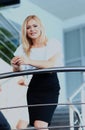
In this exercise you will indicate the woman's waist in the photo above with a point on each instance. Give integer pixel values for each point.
(44, 83)
(45, 75)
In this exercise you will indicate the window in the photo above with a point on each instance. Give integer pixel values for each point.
(74, 51)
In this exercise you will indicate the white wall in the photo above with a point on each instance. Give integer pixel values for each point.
(74, 22)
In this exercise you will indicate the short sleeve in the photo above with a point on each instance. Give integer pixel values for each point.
(53, 48)
(19, 51)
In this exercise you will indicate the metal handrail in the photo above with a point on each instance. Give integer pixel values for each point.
(5, 56)
(10, 23)
(39, 71)
(77, 92)
(6, 47)
(8, 39)
(73, 109)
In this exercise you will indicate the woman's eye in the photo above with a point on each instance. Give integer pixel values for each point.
(35, 26)
(28, 27)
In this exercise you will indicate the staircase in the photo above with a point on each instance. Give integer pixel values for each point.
(12, 27)
(60, 118)
(9, 38)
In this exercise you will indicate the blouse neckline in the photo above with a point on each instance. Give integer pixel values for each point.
(38, 48)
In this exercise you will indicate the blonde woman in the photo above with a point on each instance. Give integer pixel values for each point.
(38, 52)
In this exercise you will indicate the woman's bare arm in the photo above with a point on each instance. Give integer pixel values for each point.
(38, 63)
(44, 63)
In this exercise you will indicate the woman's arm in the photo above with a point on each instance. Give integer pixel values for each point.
(38, 63)
(43, 63)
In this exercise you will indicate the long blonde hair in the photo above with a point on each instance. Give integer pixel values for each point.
(26, 41)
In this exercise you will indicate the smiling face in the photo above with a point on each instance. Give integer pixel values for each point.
(33, 33)
(33, 29)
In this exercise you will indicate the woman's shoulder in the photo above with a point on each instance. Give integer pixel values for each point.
(53, 42)
(19, 47)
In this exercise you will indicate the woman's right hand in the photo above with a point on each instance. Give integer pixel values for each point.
(14, 63)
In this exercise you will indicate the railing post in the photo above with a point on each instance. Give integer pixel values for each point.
(83, 105)
(71, 117)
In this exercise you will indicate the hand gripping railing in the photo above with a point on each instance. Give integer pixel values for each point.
(39, 71)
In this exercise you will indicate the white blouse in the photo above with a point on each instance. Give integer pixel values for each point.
(41, 53)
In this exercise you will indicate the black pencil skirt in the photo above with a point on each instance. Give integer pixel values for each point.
(43, 89)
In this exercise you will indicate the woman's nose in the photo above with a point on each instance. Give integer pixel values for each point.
(32, 28)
